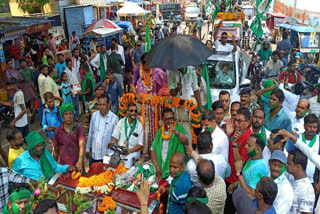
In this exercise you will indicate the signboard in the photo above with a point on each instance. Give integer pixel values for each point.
(38, 28)
(58, 34)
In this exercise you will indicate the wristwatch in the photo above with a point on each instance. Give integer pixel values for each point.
(234, 145)
(239, 174)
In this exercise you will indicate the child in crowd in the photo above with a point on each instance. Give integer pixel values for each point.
(66, 92)
(52, 118)
(14, 137)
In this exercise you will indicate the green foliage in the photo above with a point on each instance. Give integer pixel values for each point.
(29, 5)
(76, 204)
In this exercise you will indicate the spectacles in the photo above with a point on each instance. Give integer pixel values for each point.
(132, 110)
(224, 37)
(169, 119)
(239, 121)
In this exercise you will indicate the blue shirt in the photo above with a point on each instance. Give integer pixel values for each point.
(114, 91)
(61, 67)
(180, 189)
(254, 170)
(271, 210)
(285, 62)
(51, 119)
(137, 55)
(199, 22)
(100, 133)
(280, 121)
(30, 168)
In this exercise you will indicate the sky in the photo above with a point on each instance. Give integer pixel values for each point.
(310, 5)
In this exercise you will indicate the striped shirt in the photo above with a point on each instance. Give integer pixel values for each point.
(100, 133)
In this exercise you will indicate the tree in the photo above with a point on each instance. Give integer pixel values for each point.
(30, 5)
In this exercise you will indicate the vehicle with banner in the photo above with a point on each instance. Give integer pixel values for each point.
(228, 72)
(303, 38)
(273, 21)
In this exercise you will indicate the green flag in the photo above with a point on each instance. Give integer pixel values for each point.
(148, 39)
(205, 76)
(256, 27)
(262, 6)
(216, 10)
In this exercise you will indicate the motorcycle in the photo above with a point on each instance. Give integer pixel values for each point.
(312, 73)
(6, 116)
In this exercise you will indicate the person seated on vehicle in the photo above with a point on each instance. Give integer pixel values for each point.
(273, 66)
(129, 133)
(290, 75)
(169, 139)
(225, 75)
(265, 52)
(223, 45)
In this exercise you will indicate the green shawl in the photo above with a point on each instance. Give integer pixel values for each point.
(174, 146)
(33, 139)
(14, 197)
(84, 84)
(267, 84)
(102, 69)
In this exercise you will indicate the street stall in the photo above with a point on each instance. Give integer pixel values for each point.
(273, 21)
(304, 39)
(104, 30)
(126, 26)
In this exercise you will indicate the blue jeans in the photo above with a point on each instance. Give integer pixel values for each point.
(75, 101)
(40, 111)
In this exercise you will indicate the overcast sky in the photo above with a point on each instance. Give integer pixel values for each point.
(311, 5)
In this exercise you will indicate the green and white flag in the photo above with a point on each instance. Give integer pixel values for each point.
(256, 27)
(208, 7)
(205, 76)
(216, 10)
(262, 6)
(148, 39)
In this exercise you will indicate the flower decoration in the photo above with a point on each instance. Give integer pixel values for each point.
(76, 204)
(108, 205)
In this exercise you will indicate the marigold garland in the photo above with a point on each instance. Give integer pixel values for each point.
(163, 101)
(146, 81)
(166, 137)
(107, 204)
(156, 125)
(75, 175)
(96, 180)
(120, 169)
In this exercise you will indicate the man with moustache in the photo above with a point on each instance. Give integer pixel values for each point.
(237, 151)
(284, 199)
(297, 117)
(129, 133)
(246, 101)
(224, 97)
(310, 138)
(257, 124)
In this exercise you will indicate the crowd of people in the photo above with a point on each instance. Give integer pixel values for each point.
(256, 155)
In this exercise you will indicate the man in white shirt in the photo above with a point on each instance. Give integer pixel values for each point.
(292, 98)
(220, 142)
(184, 83)
(119, 49)
(223, 45)
(76, 62)
(297, 117)
(179, 29)
(93, 45)
(274, 65)
(312, 156)
(41, 83)
(204, 147)
(310, 138)
(304, 197)
(284, 199)
(129, 133)
(96, 62)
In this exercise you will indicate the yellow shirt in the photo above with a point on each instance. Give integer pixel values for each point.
(13, 154)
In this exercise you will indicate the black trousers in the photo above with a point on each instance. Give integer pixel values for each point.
(229, 207)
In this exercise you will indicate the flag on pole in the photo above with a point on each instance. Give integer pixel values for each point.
(261, 8)
(216, 10)
(256, 27)
(205, 76)
(148, 39)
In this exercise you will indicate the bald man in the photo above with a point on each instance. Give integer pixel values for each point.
(180, 185)
(297, 117)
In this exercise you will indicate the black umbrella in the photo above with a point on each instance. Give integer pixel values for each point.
(176, 52)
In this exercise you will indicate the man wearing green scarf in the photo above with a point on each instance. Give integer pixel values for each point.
(168, 140)
(87, 86)
(100, 63)
(37, 162)
(19, 200)
(129, 133)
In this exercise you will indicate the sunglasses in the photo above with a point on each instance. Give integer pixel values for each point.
(132, 110)
(224, 37)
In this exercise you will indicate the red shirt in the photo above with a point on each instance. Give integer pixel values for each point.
(242, 142)
(68, 143)
(291, 76)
